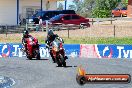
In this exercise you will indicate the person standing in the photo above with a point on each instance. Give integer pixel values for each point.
(39, 25)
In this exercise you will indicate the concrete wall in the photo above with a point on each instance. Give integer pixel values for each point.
(36, 4)
(8, 12)
(8, 9)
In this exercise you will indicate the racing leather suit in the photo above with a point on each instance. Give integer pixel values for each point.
(24, 42)
(48, 42)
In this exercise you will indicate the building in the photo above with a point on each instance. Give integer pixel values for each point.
(13, 10)
(129, 7)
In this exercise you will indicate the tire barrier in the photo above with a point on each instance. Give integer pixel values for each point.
(73, 50)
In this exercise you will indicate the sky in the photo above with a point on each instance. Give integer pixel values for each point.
(69, 2)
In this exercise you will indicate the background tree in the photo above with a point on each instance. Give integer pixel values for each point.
(84, 7)
(104, 7)
(95, 8)
(123, 3)
(60, 7)
(78, 5)
(72, 7)
(88, 6)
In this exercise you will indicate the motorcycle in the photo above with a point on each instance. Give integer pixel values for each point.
(32, 49)
(59, 53)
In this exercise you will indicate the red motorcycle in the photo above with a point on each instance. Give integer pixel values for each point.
(59, 53)
(32, 49)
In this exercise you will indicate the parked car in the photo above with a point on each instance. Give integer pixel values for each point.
(46, 15)
(73, 19)
(119, 12)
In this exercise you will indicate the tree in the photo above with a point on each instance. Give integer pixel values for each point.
(60, 7)
(124, 3)
(78, 5)
(84, 7)
(80, 8)
(89, 3)
(104, 7)
(95, 8)
(72, 7)
(88, 6)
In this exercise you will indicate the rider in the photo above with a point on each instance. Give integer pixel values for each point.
(50, 38)
(24, 39)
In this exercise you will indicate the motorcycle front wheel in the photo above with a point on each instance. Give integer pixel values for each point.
(37, 54)
(59, 63)
(30, 58)
(63, 60)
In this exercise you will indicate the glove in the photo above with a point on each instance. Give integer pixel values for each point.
(61, 40)
(47, 46)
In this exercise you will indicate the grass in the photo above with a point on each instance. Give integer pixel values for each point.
(16, 38)
(96, 40)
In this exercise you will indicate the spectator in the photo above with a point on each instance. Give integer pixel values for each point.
(40, 20)
(39, 25)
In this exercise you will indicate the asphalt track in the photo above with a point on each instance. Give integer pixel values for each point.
(44, 74)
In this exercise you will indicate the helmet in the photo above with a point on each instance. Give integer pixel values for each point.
(50, 32)
(25, 33)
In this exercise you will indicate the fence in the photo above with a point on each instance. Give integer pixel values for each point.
(102, 28)
(5, 29)
(97, 29)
